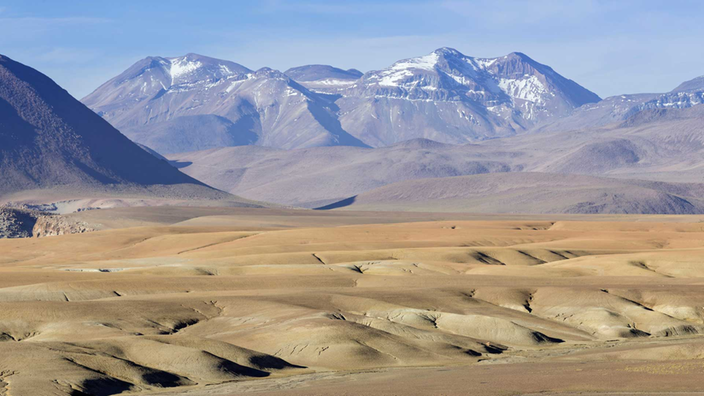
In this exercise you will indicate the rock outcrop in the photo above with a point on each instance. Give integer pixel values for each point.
(27, 223)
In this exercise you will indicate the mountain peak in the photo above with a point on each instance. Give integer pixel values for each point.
(213, 68)
(315, 72)
(156, 72)
(270, 73)
(183, 66)
(695, 84)
(519, 55)
(448, 51)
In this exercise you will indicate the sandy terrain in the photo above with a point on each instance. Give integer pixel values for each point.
(218, 301)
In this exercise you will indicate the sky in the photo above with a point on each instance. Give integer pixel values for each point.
(610, 47)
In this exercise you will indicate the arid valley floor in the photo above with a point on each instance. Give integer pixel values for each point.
(212, 301)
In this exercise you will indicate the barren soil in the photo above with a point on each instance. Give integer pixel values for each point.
(212, 301)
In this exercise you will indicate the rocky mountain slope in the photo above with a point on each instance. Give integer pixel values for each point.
(50, 140)
(194, 102)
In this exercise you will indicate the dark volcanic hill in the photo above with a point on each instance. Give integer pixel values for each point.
(49, 139)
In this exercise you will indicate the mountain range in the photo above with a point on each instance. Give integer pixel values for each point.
(194, 102)
(445, 96)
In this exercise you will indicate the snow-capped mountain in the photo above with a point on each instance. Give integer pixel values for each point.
(194, 102)
(453, 98)
(622, 107)
(154, 77)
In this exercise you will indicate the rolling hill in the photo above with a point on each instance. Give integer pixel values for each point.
(531, 193)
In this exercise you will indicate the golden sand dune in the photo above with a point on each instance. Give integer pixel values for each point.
(211, 302)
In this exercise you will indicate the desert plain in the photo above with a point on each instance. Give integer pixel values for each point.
(230, 301)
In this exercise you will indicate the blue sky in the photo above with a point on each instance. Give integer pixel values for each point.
(610, 47)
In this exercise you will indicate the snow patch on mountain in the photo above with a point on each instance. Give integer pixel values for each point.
(528, 88)
(676, 100)
(181, 67)
(426, 62)
(485, 63)
(402, 69)
(336, 82)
